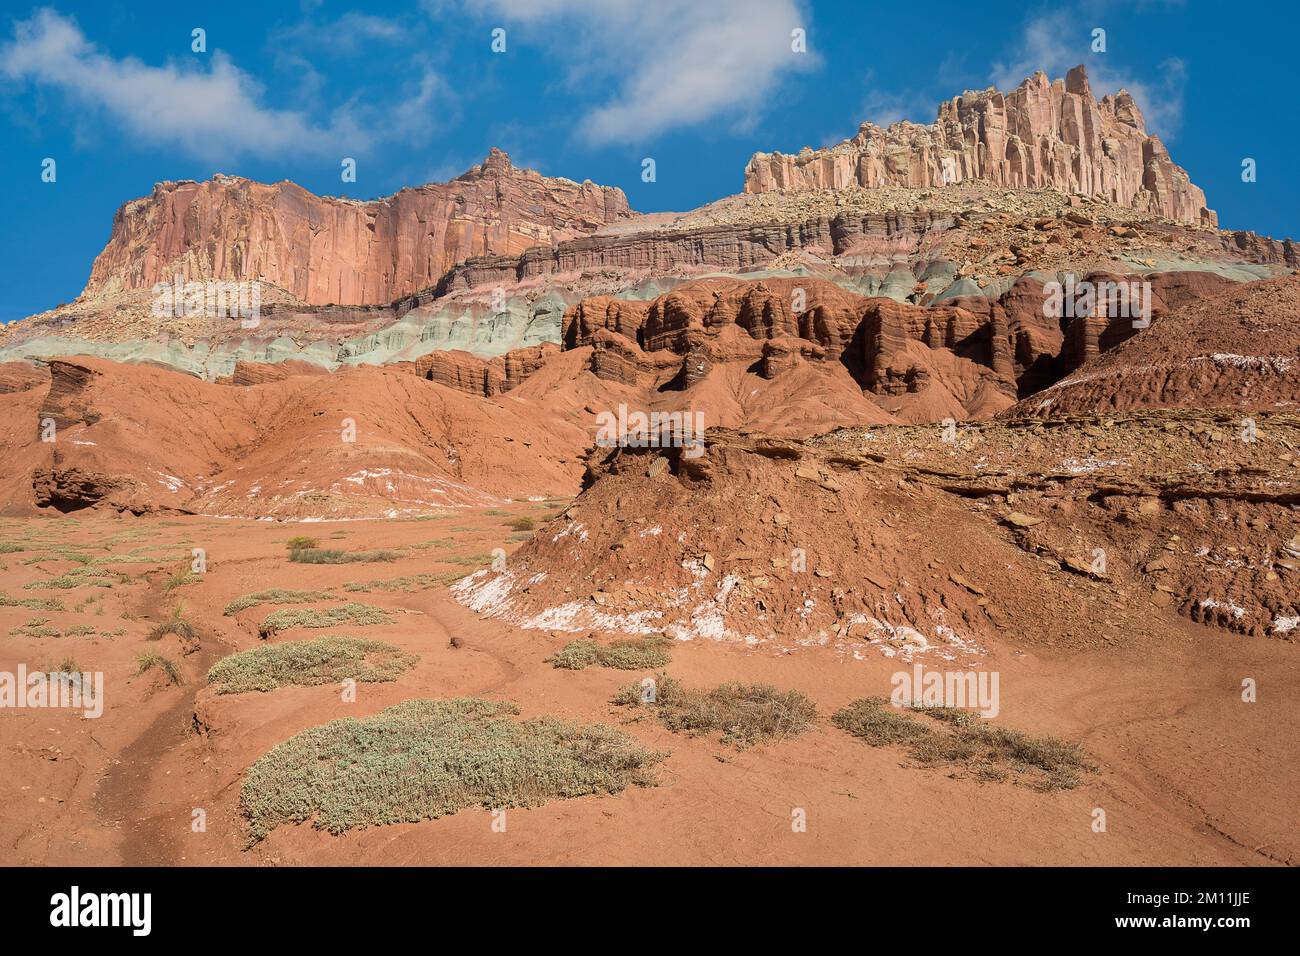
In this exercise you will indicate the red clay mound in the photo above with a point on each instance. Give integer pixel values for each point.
(773, 542)
(359, 443)
(1238, 348)
(899, 538)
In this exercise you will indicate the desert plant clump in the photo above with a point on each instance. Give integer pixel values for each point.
(637, 653)
(744, 714)
(179, 578)
(175, 624)
(331, 556)
(152, 659)
(522, 523)
(83, 576)
(351, 613)
(325, 660)
(989, 753)
(871, 719)
(36, 627)
(302, 542)
(275, 596)
(32, 604)
(410, 582)
(424, 759)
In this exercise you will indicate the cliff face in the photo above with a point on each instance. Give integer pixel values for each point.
(1043, 134)
(328, 250)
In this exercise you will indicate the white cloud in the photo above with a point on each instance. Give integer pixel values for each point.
(1057, 43)
(670, 63)
(215, 112)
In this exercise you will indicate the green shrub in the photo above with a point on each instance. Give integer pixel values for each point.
(744, 714)
(330, 556)
(32, 604)
(151, 659)
(275, 596)
(175, 624)
(637, 653)
(350, 613)
(302, 542)
(989, 753)
(410, 582)
(424, 759)
(522, 523)
(325, 660)
(870, 719)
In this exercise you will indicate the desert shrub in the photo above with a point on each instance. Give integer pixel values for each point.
(994, 753)
(275, 596)
(424, 759)
(80, 577)
(410, 582)
(11, 547)
(302, 542)
(350, 613)
(36, 627)
(175, 624)
(331, 556)
(870, 719)
(470, 560)
(32, 604)
(576, 655)
(325, 660)
(180, 578)
(522, 523)
(966, 742)
(152, 659)
(636, 653)
(744, 714)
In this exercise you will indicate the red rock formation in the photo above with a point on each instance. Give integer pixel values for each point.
(486, 377)
(333, 250)
(1043, 134)
(1238, 348)
(259, 373)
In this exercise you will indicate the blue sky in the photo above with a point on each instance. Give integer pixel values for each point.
(585, 89)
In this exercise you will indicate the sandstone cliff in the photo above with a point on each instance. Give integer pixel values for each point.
(331, 250)
(1042, 134)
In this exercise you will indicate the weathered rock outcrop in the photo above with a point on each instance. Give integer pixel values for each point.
(1043, 134)
(333, 250)
(1237, 348)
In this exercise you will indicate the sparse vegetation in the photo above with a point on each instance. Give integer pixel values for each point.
(84, 576)
(872, 720)
(351, 613)
(424, 759)
(32, 604)
(152, 659)
(275, 596)
(36, 627)
(469, 560)
(637, 653)
(410, 582)
(522, 523)
(175, 624)
(989, 753)
(301, 543)
(180, 578)
(324, 660)
(744, 714)
(331, 556)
